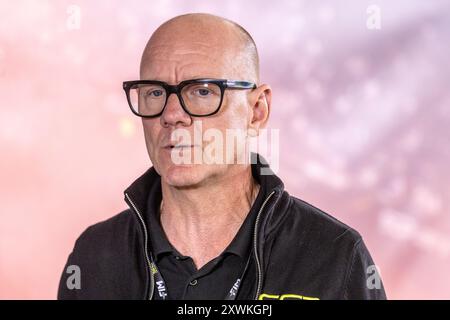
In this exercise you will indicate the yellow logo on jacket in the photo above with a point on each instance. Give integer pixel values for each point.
(286, 296)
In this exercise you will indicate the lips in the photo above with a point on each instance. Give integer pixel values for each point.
(178, 146)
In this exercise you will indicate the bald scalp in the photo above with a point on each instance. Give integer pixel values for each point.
(222, 32)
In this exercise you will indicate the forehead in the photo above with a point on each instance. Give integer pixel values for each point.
(175, 60)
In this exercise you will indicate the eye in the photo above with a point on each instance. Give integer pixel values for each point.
(202, 92)
(155, 93)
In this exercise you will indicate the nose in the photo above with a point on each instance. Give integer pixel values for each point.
(174, 114)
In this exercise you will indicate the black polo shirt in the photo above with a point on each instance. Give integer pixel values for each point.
(213, 280)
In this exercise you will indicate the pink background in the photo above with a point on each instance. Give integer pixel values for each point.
(363, 116)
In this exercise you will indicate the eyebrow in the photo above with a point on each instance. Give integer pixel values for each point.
(187, 78)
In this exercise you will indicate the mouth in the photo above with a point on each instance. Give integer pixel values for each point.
(178, 146)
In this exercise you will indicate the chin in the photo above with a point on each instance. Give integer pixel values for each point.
(184, 175)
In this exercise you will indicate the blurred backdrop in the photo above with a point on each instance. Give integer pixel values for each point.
(360, 97)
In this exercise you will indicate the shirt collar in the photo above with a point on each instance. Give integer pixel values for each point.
(240, 245)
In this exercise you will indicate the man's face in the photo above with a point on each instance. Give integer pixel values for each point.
(174, 60)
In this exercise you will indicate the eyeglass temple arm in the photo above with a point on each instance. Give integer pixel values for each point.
(240, 84)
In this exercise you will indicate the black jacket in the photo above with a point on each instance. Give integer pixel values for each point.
(299, 252)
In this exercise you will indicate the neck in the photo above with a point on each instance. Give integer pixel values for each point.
(201, 222)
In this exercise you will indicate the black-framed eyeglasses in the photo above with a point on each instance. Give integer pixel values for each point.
(198, 97)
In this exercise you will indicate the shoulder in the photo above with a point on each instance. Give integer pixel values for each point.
(103, 253)
(320, 247)
(318, 219)
(112, 232)
(303, 220)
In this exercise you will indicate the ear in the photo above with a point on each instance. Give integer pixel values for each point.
(260, 100)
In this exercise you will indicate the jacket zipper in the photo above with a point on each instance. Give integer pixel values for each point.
(255, 246)
(152, 280)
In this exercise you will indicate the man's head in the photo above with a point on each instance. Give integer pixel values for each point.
(196, 46)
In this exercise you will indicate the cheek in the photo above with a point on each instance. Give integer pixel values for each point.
(236, 114)
(228, 120)
(151, 133)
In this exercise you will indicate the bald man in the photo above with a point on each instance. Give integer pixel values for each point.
(211, 227)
